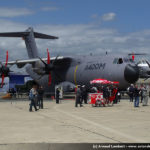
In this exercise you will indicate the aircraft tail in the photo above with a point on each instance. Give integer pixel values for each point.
(29, 36)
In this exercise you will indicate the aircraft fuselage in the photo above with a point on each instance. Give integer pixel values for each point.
(83, 69)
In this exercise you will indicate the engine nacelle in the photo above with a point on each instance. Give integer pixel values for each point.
(39, 68)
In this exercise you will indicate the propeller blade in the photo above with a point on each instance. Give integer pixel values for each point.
(147, 63)
(48, 57)
(42, 61)
(1, 63)
(137, 54)
(55, 59)
(133, 57)
(49, 79)
(2, 80)
(6, 59)
(146, 78)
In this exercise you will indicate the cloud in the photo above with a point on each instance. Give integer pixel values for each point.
(15, 46)
(98, 19)
(109, 16)
(73, 40)
(49, 8)
(14, 12)
(85, 39)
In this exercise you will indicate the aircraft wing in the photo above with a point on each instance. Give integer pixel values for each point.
(22, 63)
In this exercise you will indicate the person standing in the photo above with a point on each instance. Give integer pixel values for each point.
(119, 96)
(136, 95)
(145, 96)
(141, 92)
(57, 95)
(32, 96)
(40, 92)
(78, 97)
(105, 95)
(115, 101)
(131, 92)
(83, 94)
(13, 92)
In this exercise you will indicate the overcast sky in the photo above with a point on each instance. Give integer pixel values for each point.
(83, 26)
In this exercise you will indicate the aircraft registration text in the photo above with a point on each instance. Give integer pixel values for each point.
(95, 66)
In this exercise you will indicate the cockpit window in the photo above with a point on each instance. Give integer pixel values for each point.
(115, 61)
(123, 60)
(128, 60)
(120, 61)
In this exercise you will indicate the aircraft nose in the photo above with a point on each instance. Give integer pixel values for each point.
(131, 73)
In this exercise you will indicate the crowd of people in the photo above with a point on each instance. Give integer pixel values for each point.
(135, 93)
(36, 97)
(108, 91)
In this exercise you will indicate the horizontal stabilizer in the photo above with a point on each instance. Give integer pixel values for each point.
(137, 54)
(29, 37)
(24, 34)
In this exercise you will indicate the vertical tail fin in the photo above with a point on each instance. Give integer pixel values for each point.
(30, 43)
(29, 36)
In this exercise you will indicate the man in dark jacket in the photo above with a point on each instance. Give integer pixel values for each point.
(57, 95)
(136, 95)
(105, 95)
(40, 96)
(78, 97)
(83, 94)
(131, 92)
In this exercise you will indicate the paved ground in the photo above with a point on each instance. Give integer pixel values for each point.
(63, 123)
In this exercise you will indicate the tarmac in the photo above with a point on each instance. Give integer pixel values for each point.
(64, 123)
